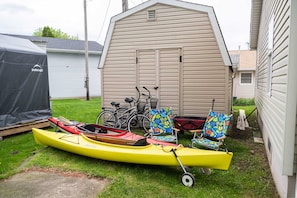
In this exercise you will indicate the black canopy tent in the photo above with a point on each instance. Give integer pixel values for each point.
(24, 86)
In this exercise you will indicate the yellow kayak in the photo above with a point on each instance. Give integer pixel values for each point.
(149, 154)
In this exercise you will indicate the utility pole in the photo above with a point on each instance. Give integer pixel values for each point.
(124, 5)
(86, 52)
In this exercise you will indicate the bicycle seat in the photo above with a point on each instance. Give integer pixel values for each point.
(116, 104)
(128, 100)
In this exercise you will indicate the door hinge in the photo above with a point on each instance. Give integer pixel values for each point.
(136, 60)
(180, 59)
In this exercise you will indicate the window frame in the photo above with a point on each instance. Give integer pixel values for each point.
(270, 56)
(240, 78)
(269, 74)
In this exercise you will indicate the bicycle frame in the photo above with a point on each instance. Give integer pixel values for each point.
(120, 117)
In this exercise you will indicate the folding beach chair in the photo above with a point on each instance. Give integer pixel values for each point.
(161, 125)
(214, 131)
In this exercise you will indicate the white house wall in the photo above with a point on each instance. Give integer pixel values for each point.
(203, 76)
(243, 90)
(272, 107)
(67, 75)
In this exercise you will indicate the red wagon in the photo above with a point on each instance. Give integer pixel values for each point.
(188, 122)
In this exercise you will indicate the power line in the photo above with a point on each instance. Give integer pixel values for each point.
(101, 29)
(132, 2)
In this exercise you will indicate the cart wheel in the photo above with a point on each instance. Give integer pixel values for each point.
(205, 171)
(188, 179)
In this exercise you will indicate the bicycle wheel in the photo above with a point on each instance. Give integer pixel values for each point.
(140, 123)
(122, 115)
(107, 118)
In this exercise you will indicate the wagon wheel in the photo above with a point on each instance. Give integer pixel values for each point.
(188, 179)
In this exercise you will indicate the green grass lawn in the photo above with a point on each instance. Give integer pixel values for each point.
(248, 176)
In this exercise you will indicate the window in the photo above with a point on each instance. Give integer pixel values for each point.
(151, 15)
(246, 78)
(269, 74)
(269, 58)
(270, 33)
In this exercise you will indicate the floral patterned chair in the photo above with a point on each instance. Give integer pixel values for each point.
(161, 125)
(214, 131)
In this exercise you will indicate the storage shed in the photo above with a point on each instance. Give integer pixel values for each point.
(173, 45)
(24, 89)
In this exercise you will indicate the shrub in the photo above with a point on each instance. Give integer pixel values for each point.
(243, 102)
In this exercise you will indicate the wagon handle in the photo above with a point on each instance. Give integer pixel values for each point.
(212, 105)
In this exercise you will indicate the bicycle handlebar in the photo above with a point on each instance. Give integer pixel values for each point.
(138, 94)
(149, 95)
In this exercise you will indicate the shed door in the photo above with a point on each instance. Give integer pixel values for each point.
(161, 68)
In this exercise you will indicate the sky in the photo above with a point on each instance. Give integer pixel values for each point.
(26, 16)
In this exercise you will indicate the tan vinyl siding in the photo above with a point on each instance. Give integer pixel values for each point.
(199, 78)
(146, 68)
(272, 109)
(169, 79)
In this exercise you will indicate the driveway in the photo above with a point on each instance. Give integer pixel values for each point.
(51, 184)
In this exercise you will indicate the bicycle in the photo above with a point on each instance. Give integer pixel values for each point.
(142, 120)
(116, 116)
(151, 103)
(107, 116)
(123, 117)
(139, 121)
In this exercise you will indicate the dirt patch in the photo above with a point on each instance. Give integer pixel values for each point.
(45, 183)
(256, 149)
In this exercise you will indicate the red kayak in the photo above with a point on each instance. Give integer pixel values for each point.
(75, 127)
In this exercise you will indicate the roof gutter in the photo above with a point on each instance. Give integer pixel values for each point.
(256, 10)
(68, 51)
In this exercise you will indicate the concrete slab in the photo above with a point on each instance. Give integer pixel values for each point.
(43, 184)
(258, 140)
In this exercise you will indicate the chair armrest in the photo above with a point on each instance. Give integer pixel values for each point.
(196, 131)
(176, 129)
(221, 138)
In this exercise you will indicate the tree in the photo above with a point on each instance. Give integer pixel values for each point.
(47, 31)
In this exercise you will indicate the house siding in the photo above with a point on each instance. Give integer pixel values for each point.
(245, 64)
(272, 109)
(72, 67)
(201, 76)
(244, 90)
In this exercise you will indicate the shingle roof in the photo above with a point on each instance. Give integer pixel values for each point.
(11, 43)
(65, 44)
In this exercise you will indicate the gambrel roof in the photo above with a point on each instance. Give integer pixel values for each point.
(192, 6)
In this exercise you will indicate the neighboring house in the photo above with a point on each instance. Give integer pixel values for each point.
(273, 34)
(244, 77)
(66, 65)
(173, 45)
